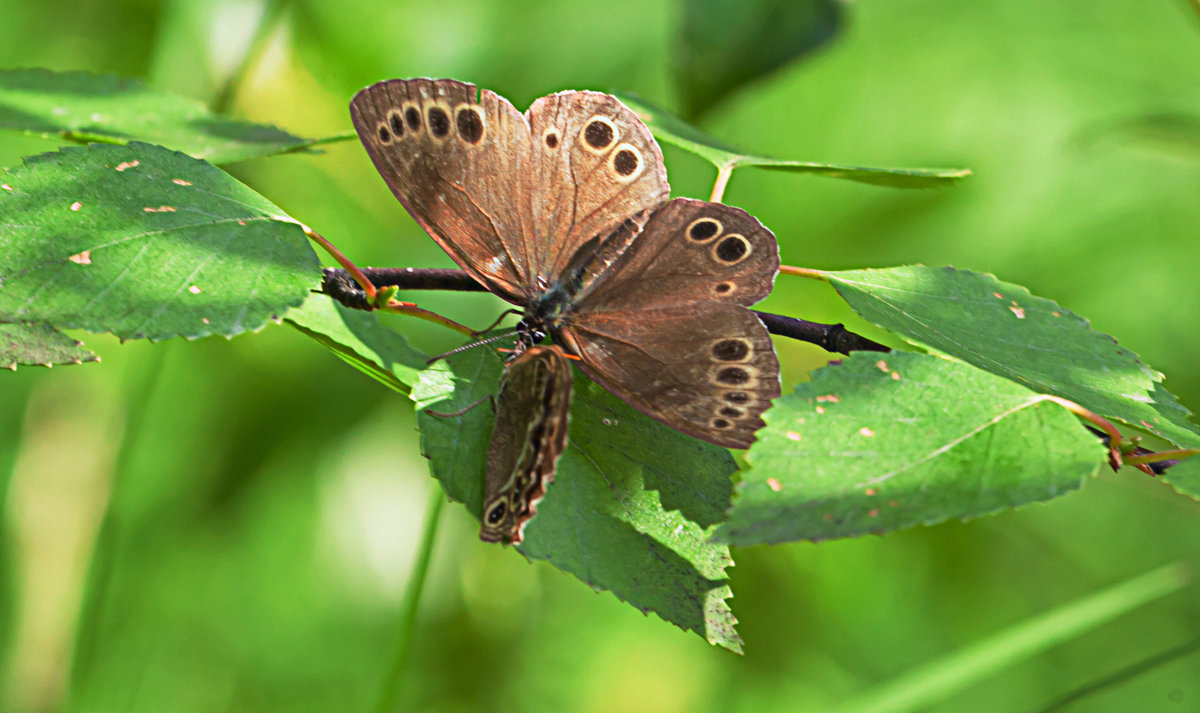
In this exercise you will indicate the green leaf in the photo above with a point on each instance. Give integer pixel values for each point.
(1184, 477)
(937, 680)
(723, 45)
(145, 243)
(675, 131)
(630, 509)
(1001, 328)
(84, 107)
(882, 442)
(39, 345)
(361, 340)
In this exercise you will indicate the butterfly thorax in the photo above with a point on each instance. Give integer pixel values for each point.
(547, 312)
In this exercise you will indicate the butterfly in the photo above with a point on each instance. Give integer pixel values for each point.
(564, 212)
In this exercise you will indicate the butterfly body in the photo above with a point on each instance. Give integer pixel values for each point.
(564, 212)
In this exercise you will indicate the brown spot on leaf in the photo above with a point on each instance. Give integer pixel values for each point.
(873, 513)
(76, 205)
(866, 431)
(871, 491)
(881, 365)
(127, 164)
(160, 209)
(194, 289)
(828, 397)
(1018, 311)
(774, 484)
(83, 258)
(793, 436)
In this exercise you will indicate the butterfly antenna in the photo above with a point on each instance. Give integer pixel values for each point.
(472, 345)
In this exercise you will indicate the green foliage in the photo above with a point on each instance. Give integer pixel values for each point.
(1185, 477)
(83, 107)
(631, 506)
(882, 442)
(936, 680)
(145, 243)
(670, 129)
(1001, 328)
(360, 340)
(722, 46)
(269, 501)
(39, 345)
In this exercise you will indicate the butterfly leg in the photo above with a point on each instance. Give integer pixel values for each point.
(468, 407)
(493, 325)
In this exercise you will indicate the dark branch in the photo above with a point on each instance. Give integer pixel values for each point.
(830, 337)
(340, 286)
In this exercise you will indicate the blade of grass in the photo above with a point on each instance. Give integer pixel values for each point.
(1129, 672)
(938, 679)
(411, 603)
(104, 550)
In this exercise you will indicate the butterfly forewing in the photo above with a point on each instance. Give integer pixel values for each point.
(667, 328)
(450, 155)
(532, 414)
(594, 164)
(510, 197)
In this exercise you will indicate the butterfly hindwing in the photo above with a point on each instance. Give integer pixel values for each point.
(667, 327)
(532, 413)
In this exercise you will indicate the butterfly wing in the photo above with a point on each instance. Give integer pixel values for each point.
(593, 165)
(450, 155)
(667, 327)
(532, 412)
(510, 197)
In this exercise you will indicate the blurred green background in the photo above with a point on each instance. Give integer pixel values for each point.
(250, 508)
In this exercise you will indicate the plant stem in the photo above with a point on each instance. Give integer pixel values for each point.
(267, 22)
(718, 191)
(802, 272)
(1149, 458)
(409, 605)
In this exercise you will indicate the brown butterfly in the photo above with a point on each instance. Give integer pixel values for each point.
(564, 211)
(532, 413)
